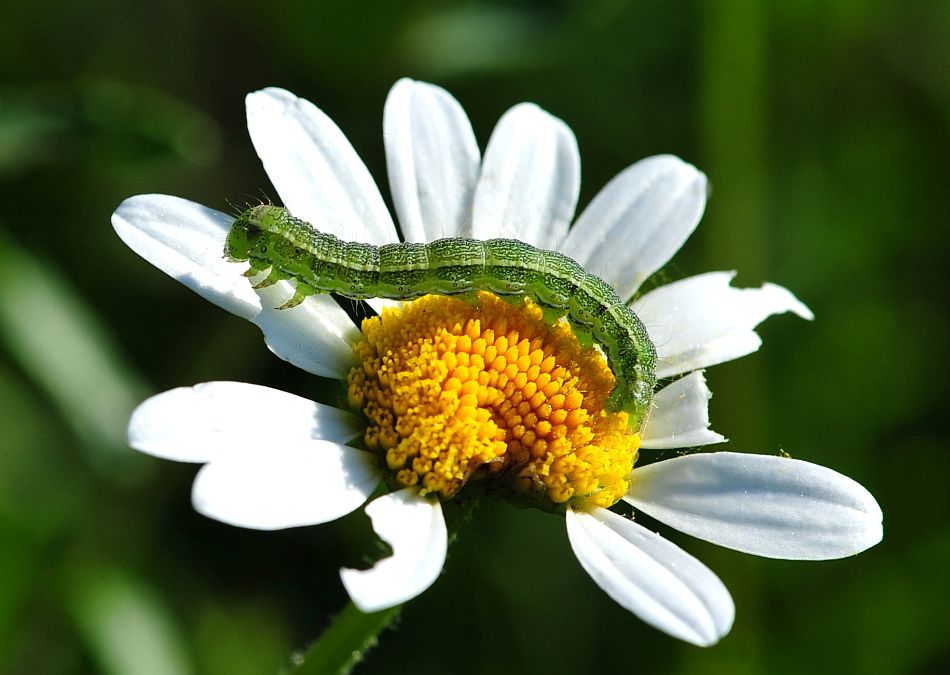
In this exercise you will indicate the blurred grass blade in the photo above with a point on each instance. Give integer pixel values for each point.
(125, 625)
(62, 347)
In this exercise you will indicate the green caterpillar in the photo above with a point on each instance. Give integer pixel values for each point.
(272, 239)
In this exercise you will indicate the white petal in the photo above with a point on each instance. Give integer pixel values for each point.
(651, 577)
(316, 335)
(186, 241)
(432, 159)
(701, 321)
(285, 484)
(208, 421)
(415, 529)
(316, 171)
(680, 416)
(530, 179)
(770, 506)
(638, 221)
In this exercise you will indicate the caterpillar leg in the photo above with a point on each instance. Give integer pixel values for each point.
(271, 279)
(301, 291)
(257, 266)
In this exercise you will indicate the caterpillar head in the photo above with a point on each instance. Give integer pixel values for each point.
(246, 233)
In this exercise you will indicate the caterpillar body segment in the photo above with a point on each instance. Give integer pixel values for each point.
(287, 248)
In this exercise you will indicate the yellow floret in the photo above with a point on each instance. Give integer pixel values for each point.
(455, 391)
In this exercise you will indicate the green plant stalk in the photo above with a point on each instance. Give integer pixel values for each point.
(353, 633)
(344, 644)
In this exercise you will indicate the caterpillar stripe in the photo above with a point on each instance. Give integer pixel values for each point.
(270, 238)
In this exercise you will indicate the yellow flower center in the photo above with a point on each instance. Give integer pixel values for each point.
(456, 391)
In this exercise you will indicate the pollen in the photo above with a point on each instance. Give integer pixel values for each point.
(457, 392)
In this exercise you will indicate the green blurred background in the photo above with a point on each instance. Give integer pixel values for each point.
(823, 127)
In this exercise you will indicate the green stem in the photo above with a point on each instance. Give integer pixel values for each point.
(344, 644)
(353, 633)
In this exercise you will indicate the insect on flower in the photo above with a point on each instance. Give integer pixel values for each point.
(488, 391)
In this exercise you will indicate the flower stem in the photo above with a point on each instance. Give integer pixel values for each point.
(353, 633)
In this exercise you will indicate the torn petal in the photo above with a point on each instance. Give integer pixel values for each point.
(679, 416)
(702, 320)
(415, 529)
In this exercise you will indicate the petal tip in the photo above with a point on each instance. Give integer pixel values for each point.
(787, 300)
(651, 577)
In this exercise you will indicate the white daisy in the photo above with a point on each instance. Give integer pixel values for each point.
(274, 460)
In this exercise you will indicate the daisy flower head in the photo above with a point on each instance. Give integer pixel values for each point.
(510, 394)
